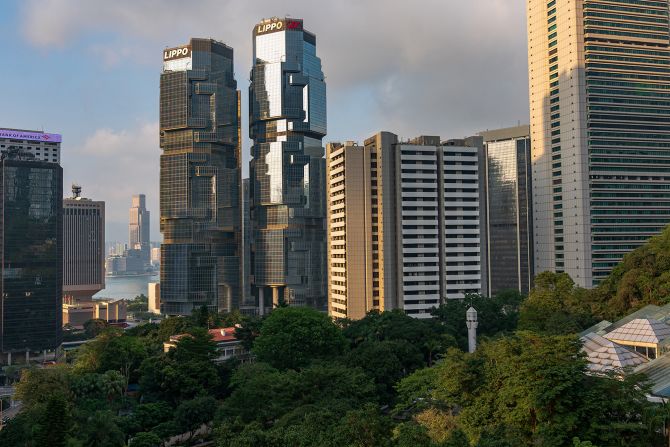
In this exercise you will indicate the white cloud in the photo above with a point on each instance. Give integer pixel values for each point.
(447, 67)
(113, 165)
(450, 58)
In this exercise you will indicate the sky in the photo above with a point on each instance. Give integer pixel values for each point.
(89, 69)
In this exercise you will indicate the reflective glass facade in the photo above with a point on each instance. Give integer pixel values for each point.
(31, 249)
(287, 104)
(509, 213)
(200, 178)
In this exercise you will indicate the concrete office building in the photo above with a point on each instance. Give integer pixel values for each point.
(599, 131)
(403, 224)
(31, 254)
(509, 209)
(200, 179)
(287, 108)
(83, 246)
(43, 146)
(139, 236)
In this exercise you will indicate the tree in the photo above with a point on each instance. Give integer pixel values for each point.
(173, 326)
(556, 306)
(192, 414)
(526, 390)
(386, 362)
(496, 315)
(37, 385)
(95, 327)
(249, 330)
(112, 351)
(145, 439)
(430, 336)
(139, 304)
(292, 337)
(100, 430)
(641, 278)
(55, 421)
(267, 395)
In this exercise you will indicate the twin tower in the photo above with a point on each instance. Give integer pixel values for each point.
(200, 175)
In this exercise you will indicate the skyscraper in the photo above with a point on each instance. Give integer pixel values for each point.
(403, 224)
(509, 225)
(31, 253)
(139, 236)
(287, 104)
(200, 179)
(83, 246)
(599, 130)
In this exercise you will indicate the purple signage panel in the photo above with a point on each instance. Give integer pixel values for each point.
(33, 136)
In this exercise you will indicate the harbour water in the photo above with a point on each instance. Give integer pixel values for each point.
(128, 287)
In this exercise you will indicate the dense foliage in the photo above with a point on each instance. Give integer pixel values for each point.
(385, 380)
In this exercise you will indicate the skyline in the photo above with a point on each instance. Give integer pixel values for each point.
(93, 67)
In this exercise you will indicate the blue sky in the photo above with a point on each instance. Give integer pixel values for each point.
(89, 69)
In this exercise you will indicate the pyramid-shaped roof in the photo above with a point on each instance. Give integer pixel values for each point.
(644, 330)
(604, 355)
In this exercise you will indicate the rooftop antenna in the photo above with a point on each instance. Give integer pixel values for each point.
(76, 191)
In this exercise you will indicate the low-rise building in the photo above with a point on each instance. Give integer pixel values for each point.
(78, 312)
(638, 343)
(228, 346)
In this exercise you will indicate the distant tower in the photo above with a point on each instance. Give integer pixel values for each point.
(138, 230)
(471, 321)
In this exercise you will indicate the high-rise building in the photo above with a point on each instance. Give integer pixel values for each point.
(31, 253)
(403, 224)
(509, 209)
(139, 236)
(246, 251)
(599, 130)
(83, 246)
(43, 146)
(287, 103)
(200, 179)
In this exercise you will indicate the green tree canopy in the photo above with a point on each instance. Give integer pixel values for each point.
(292, 337)
(556, 306)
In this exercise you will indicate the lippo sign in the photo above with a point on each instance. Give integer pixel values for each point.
(278, 25)
(177, 53)
(33, 136)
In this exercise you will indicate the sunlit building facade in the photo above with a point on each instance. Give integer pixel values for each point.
(599, 106)
(200, 177)
(287, 107)
(83, 246)
(404, 224)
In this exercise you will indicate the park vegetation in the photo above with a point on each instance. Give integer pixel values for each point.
(386, 380)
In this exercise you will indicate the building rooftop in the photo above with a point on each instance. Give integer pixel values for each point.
(658, 373)
(642, 330)
(507, 133)
(599, 328)
(604, 355)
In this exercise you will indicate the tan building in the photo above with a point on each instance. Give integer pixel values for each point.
(78, 312)
(83, 246)
(361, 242)
(598, 108)
(154, 297)
(403, 224)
